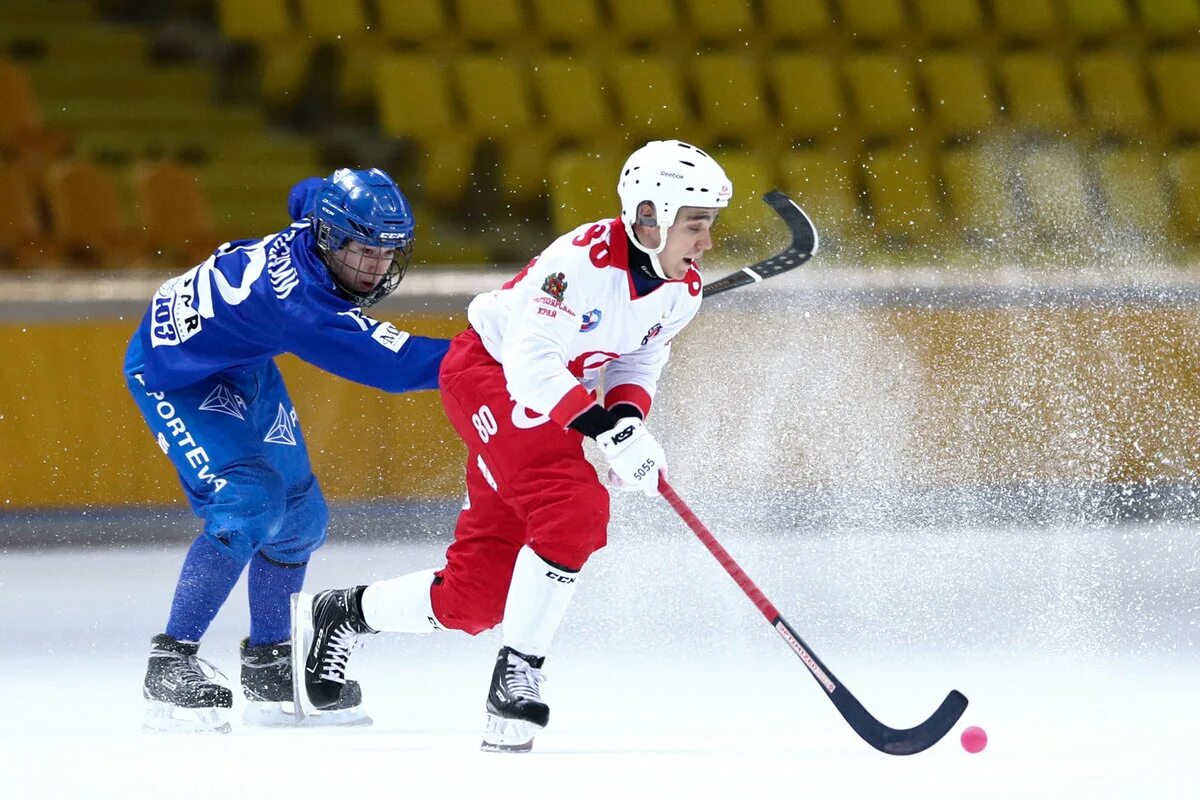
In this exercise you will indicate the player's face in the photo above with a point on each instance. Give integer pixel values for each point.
(687, 240)
(360, 267)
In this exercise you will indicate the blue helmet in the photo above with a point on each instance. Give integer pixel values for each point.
(367, 207)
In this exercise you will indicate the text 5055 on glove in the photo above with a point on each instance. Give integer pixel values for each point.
(634, 456)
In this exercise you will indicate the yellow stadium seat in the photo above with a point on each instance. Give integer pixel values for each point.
(285, 68)
(874, 21)
(414, 97)
(1055, 188)
(976, 185)
(495, 96)
(748, 221)
(1169, 20)
(649, 21)
(357, 77)
(1131, 181)
(521, 169)
(496, 101)
(573, 101)
(1176, 78)
(250, 198)
(902, 194)
(446, 168)
(173, 210)
(954, 21)
(575, 22)
(415, 103)
(1114, 93)
(1038, 96)
(808, 94)
(342, 21)
(415, 22)
(1184, 170)
(439, 243)
(650, 97)
(89, 223)
(491, 21)
(725, 21)
(583, 188)
(961, 99)
(797, 23)
(884, 94)
(730, 93)
(823, 183)
(1096, 19)
(1025, 20)
(258, 21)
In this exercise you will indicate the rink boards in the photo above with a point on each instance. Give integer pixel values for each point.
(793, 387)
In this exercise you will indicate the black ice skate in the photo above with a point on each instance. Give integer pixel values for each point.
(267, 684)
(180, 694)
(515, 711)
(325, 628)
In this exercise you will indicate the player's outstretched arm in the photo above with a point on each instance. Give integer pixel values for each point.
(356, 347)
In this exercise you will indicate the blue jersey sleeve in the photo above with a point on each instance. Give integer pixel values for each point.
(354, 346)
(255, 299)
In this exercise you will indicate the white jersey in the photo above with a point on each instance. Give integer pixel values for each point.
(576, 310)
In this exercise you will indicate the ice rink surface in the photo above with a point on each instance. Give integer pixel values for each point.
(1077, 648)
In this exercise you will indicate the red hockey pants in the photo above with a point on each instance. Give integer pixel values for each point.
(528, 483)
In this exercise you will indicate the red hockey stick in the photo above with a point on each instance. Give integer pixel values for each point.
(873, 732)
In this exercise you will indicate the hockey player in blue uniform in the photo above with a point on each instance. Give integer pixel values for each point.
(201, 369)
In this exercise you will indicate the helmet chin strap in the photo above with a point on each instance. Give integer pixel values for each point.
(653, 253)
(657, 266)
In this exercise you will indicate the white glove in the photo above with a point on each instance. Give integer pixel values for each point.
(615, 482)
(633, 455)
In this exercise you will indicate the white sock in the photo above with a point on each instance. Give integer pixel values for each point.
(537, 599)
(401, 605)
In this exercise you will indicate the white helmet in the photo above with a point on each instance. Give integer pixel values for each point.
(668, 174)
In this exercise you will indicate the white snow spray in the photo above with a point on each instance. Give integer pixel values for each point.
(951, 440)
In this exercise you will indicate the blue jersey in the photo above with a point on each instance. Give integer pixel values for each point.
(256, 298)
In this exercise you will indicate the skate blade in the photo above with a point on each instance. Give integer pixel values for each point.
(508, 735)
(302, 632)
(163, 717)
(283, 715)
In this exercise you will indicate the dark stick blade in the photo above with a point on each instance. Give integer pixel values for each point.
(900, 742)
(893, 741)
(804, 233)
(805, 242)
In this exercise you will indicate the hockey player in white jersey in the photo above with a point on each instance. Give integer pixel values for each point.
(519, 385)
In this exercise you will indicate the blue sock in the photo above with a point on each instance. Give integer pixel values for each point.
(207, 578)
(272, 584)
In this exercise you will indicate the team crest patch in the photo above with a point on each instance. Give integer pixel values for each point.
(590, 320)
(555, 286)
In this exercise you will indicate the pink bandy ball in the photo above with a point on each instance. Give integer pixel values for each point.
(974, 739)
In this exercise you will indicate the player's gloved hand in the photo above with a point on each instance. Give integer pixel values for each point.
(634, 456)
